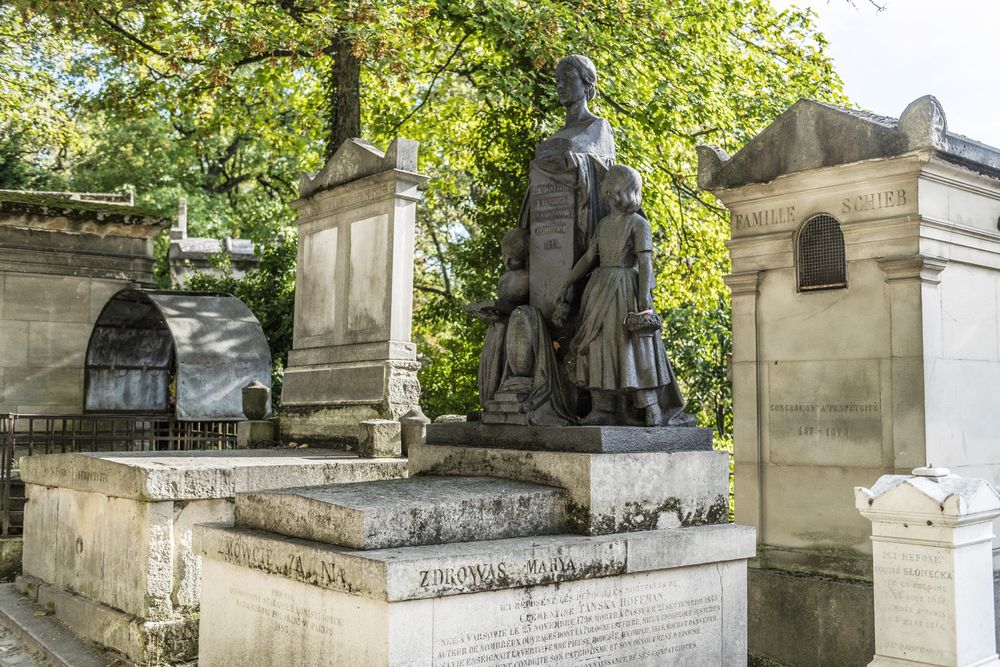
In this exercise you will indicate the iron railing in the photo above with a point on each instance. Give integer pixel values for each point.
(31, 434)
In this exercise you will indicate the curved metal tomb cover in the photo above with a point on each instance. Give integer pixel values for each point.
(197, 350)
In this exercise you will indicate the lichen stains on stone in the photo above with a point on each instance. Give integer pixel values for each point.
(634, 517)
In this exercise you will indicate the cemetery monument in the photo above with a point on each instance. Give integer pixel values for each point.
(581, 521)
(351, 358)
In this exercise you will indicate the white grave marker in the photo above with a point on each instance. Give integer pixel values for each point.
(932, 542)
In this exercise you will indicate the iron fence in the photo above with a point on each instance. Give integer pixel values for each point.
(29, 434)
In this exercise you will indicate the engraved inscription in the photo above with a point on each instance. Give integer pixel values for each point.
(552, 211)
(308, 570)
(913, 588)
(366, 195)
(639, 622)
(873, 201)
(823, 421)
(471, 575)
(824, 412)
(283, 612)
(764, 218)
(88, 476)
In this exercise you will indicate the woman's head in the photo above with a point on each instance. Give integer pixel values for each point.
(514, 248)
(576, 78)
(622, 188)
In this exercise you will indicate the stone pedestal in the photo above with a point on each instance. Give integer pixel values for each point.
(485, 556)
(380, 438)
(933, 571)
(351, 358)
(107, 536)
(256, 433)
(838, 382)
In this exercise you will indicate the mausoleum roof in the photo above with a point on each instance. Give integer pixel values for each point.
(65, 205)
(210, 343)
(812, 134)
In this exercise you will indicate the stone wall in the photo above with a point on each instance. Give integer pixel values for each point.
(60, 261)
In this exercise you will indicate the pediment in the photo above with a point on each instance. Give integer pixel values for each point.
(812, 135)
(951, 496)
(356, 158)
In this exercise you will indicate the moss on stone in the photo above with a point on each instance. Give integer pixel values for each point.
(28, 204)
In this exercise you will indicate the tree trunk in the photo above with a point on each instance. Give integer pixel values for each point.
(344, 96)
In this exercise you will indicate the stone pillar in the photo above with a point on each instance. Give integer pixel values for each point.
(914, 336)
(933, 571)
(746, 425)
(352, 358)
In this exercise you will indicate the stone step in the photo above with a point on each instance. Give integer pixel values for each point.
(407, 512)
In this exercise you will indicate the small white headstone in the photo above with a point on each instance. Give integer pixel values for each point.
(933, 574)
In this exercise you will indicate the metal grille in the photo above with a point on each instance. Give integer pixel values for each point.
(821, 254)
(28, 435)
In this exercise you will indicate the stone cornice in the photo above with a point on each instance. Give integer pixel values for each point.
(912, 268)
(744, 283)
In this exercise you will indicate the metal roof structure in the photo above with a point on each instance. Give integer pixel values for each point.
(198, 350)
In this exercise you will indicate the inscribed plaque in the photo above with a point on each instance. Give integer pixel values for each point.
(552, 208)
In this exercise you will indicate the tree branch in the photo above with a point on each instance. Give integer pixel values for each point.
(439, 251)
(139, 42)
(430, 88)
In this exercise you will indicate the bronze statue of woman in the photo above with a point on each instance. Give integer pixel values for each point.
(579, 154)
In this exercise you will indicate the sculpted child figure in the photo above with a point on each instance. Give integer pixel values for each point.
(617, 349)
(512, 291)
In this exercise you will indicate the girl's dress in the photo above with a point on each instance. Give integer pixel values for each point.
(607, 357)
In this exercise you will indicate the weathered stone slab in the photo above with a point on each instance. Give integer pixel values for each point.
(413, 573)
(560, 600)
(110, 534)
(592, 439)
(151, 476)
(410, 512)
(146, 642)
(607, 492)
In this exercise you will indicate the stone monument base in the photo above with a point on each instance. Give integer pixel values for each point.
(256, 433)
(485, 556)
(654, 598)
(107, 536)
(783, 607)
(322, 404)
(589, 439)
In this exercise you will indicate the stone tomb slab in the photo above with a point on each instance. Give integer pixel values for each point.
(656, 598)
(407, 512)
(590, 439)
(607, 492)
(112, 531)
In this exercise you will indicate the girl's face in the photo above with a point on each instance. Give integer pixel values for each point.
(613, 192)
(569, 86)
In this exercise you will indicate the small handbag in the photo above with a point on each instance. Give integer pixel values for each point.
(646, 323)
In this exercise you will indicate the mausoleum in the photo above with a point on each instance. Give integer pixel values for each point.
(866, 341)
(62, 255)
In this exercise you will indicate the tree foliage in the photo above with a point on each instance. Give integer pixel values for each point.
(228, 101)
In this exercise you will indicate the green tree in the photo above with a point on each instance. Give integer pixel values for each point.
(278, 83)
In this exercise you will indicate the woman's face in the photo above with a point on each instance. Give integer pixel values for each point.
(570, 86)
